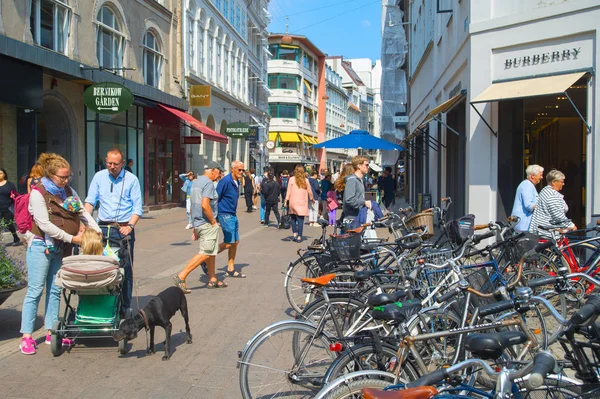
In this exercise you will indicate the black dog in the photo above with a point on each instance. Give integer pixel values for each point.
(157, 312)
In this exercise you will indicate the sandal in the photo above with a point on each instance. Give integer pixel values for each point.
(216, 284)
(181, 284)
(235, 274)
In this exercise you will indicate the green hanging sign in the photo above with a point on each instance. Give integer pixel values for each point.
(237, 130)
(108, 98)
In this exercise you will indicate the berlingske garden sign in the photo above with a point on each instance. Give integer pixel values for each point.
(108, 98)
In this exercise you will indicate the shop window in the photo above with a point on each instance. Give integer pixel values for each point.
(49, 23)
(152, 60)
(110, 41)
(277, 81)
(283, 111)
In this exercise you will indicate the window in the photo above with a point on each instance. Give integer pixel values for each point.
(191, 44)
(283, 111)
(49, 24)
(152, 60)
(239, 77)
(219, 55)
(111, 41)
(234, 61)
(226, 69)
(278, 81)
(200, 44)
(284, 52)
(209, 51)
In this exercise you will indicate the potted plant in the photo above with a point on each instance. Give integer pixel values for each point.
(12, 274)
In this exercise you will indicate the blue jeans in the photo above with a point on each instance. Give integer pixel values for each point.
(297, 224)
(41, 272)
(263, 207)
(117, 242)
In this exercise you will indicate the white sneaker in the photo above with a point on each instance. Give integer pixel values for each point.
(189, 226)
(253, 207)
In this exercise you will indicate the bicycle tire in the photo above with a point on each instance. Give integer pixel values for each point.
(300, 294)
(362, 357)
(556, 388)
(353, 389)
(257, 376)
(341, 307)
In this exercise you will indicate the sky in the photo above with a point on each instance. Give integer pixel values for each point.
(351, 28)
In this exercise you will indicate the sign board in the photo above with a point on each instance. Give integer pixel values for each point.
(547, 57)
(200, 96)
(192, 139)
(108, 98)
(401, 119)
(253, 135)
(291, 157)
(237, 130)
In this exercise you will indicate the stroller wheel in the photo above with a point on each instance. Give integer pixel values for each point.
(123, 347)
(56, 338)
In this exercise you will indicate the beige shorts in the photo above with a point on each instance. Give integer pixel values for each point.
(208, 238)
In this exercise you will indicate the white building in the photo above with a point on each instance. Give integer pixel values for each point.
(337, 117)
(496, 86)
(224, 47)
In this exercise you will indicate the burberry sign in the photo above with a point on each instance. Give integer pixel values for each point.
(544, 58)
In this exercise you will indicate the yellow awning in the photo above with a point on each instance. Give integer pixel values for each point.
(273, 136)
(307, 86)
(528, 88)
(315, 140)
(289, 137)
(287, 46)
(305, 139)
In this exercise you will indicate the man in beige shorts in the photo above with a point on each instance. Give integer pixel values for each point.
(203, 210)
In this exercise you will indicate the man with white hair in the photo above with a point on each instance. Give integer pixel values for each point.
(526, 197)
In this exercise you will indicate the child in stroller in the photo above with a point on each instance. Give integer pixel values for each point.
(96, 281)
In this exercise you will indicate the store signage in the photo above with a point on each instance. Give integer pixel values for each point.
(284, 157)
(108, 98)
(237, 130)
(253, 135)
(401, 120)
(192, 139)
(544, 58)
(200, 96)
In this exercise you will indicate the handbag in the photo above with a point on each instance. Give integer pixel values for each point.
(286, 220)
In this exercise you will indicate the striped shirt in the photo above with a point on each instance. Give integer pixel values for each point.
(550, 209)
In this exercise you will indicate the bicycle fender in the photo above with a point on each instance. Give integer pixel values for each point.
(322, 394)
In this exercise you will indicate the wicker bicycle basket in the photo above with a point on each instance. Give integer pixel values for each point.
(422, 219)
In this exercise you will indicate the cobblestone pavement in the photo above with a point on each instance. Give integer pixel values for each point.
(221, 321)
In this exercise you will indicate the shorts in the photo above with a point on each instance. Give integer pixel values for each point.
(231, 228)
(208, 238)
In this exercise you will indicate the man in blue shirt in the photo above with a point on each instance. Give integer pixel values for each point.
(117, 194)
(228, 191)
(526, 197)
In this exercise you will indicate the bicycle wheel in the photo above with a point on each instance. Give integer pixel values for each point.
(364, 357)
(555, 388)
(300, 294)
(353, 389)
(344, 310)
(288, 361)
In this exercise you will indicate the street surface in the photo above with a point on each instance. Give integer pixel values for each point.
(221, 320)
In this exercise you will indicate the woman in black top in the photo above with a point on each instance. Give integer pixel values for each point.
(6, 216)
(248, 184)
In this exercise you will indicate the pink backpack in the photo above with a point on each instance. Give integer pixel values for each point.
(23, 219)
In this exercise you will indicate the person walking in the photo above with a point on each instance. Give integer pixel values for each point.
(313, 206)
(271, 191)
(326, 186)
(7, 217)
(551, 208)
(354, 190)
(526, 197)
(205, 210)
(228, 191)
(187, 178)
(117, 194)
(129, 166)
(249, 190)
(257, 182)
(50, 219)
(387, 187)
(284, 180)
(296, 200)
(332, 205)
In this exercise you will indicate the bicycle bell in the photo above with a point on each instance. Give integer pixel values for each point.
(523, 295)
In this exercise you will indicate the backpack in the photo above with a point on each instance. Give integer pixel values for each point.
(284, 182)
(23, 219)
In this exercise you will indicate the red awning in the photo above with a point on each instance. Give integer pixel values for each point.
(194, 123)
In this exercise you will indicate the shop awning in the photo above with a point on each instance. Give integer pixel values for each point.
(194, 123)
(354, 107)
(273, 136)
(315, 140)
(524, 88)
(444, 107)
(305, 139)
(307, 86)
(286, 137)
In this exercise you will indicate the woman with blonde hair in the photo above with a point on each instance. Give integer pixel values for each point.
(296, 200)
(50, 219)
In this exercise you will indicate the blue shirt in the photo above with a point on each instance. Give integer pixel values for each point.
(118, 198)
(187, 184)
(525, 200)
(229, 193)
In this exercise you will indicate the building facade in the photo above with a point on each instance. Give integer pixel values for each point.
(336, 120)
(224, 50)
(297, 102)
(497, 86)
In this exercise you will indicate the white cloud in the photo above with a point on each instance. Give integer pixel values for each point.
(365, 23)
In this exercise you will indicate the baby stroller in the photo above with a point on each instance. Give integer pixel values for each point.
(96, 281)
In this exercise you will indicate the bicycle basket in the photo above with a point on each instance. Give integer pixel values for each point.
(461, 229)
(422, 219)
(345, 246)
(524, 245)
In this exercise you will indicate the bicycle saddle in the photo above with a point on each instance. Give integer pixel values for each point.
(320, 281)
(369, 246)
(399, 312)
(384, 299)
(408, 393)
(365, 275)
(323, 223)
(491, 346)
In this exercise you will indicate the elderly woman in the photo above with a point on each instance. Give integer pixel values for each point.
(551, 208)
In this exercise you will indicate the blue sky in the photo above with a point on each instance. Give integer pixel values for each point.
(351, 28)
